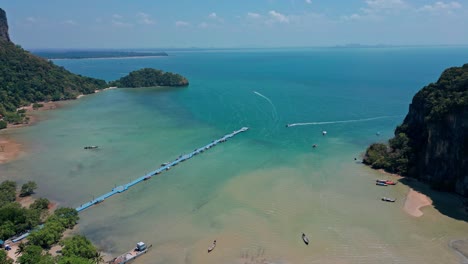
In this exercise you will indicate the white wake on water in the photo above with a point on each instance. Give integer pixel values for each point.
(338, 122)
(275, 114)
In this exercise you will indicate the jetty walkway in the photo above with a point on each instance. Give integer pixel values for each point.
(164, 167)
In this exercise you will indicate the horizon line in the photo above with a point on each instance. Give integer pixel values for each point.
(346, 46)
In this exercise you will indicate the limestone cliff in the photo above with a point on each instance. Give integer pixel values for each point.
(432, 143)
(3, 26)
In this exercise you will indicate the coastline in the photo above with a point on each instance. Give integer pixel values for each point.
(414, 200)
(11, 149)
(109, 58)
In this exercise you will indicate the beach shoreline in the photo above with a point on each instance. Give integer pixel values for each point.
(414, 200)
(11, 149)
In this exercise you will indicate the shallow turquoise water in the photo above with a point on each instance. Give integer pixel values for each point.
(258, 192)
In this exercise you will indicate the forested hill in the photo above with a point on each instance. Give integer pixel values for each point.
(432, 142)
(148, 77)
(25, 78)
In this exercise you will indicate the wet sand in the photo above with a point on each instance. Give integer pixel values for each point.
(414, 202)
(9, 149)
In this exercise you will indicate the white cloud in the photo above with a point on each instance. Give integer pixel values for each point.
(386, 4)
(31, 19)
(213, 15)
(144, 18)
(441, 7)
(70, 22)
(352, 17)
(253, 15)
(377, 9)
(278, 17)
(308, 1)
(182, 24)
(203, 25)
(118, 23)
(216, 17)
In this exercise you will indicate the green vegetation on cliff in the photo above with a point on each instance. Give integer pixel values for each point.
(25, 78)
(148, 77)
(432, 142)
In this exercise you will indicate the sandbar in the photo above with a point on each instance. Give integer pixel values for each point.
(414, 202)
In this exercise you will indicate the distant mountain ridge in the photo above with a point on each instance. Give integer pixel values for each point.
(94, 54)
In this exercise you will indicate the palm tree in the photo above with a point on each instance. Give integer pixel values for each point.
(20, 249)
(98, 258)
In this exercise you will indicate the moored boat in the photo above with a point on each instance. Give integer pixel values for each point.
(210, 248)
(388, 182)
(91, 147)
(381, 183)
(305, 239)
(386, 199)
(140, 249)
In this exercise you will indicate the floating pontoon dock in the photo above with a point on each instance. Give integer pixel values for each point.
(164, 167)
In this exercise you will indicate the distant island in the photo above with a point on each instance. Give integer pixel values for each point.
(148, 77)
(94, 54)
(432, 143)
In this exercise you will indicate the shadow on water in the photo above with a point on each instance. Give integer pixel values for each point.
(449, 204)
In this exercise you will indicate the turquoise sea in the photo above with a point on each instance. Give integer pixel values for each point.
(257, 193)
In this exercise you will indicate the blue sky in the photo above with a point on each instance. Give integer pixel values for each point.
(239, 23)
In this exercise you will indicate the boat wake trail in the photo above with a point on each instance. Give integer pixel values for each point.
(338, 122)
(275, 114)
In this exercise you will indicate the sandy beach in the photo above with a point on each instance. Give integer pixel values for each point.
(414, 202)
(9, 149)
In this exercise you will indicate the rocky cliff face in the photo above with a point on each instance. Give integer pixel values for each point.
(437, 128)
(3, 26)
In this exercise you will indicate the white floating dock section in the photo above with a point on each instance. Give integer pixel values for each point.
(181, 158)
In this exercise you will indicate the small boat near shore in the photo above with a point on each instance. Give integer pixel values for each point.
(91, 147)
(131, 255)
(390, 200)
(305, 239)
(210, 248)
(388, 182)
(381, 183)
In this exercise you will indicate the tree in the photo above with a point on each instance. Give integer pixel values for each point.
(4, 259)
(74, 260)
(21, 248)
(3, 124)
(7, 192)
(78, 246)
(67, 216)
(40, 204)
(28, 188)
(98, 258)
(48, 235)
(32, 255)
